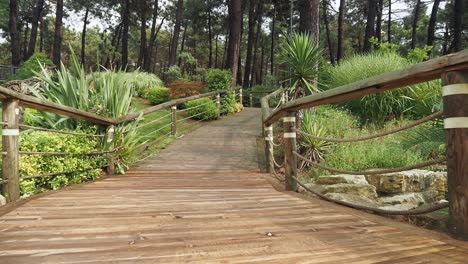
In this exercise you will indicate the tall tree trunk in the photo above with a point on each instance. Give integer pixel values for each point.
(310, 17)
(83, 37)
(125, 28)
(445, 45)
(415, 23)
(262, 63)
(341, 12)
(25, 42)
(327, 31)
(239, 70)
(259, 19)
(175, 37)
(235, 17)
(432, 23)
(143, 49)
(216, 51)
(370, 24)
(149, 55)
(58, 33)
(389, 22)
(378, 26)
(184, 38)
(273, 34)
(250, 41)
(37, 14)
(41, 34)
(458, 25)
(210, 41)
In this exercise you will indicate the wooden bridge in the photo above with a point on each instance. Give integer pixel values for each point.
(204, 200)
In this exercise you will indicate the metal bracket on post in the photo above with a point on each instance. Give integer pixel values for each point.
(110, 156)
(218, 104)
(251, 99)
(269, 148)
(289, 123)
(240, 97)
(174, 120)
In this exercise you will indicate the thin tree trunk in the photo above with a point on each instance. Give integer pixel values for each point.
(235, 17)
(143, 49)
(415, 23)
(432, 23)
(258, 37)
(37, 14)
(273, 33)
(216, 51)
(25, 42)
(370, 24)
(389, 23)
(327, 31)
(341, 12)
(148, 58)
(210, 41)
(41, 34)
(182, 46)
(83, 38)
(58, 33)
(262, 63)
(175, 37)
(458, 25)
(125, 28)
(239, 70)
(309, 11)
(378, 27)
(250, 40)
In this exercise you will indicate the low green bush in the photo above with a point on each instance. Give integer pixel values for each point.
(38, 141)
(159, 95)
(217, 79)
(173, 74)
(259, 91)
(33, 64)
(206, 109)
(228, 104)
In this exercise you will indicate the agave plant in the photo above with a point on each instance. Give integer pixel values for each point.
(303, 56)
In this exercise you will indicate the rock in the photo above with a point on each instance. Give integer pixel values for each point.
(436, 185)
(2, 200)
(353, 199)
(398, 207)
(362, 190)
(341, 178)
(398, 182)
(412, 200)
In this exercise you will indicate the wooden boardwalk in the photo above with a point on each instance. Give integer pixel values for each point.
(203, 200)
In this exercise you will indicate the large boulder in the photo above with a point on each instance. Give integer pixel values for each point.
(362, 190)
(341, 178)
(398, 182)
(411, 200)
(353, 199)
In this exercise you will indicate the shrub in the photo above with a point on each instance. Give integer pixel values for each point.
(180, 89)
(159, 95)
(228, 104)
(202, 109)
(173, 74)
(217, 79)
(259, 91)
(32, 65)
(38, 141)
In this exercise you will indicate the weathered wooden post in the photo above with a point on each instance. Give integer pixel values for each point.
(240, 96)
(289, 122)
(455, 93)
(269, 148)
(251, 99)
(110, 155)
(174, 120)
(10, 147)
(218, 104)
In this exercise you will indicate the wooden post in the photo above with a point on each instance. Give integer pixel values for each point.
(174, 120)
(290, 169)
(240, 97)
(218, 104)
(251, 99)
(10, 147)
(269, 148)
(110, 156)
(455, 94)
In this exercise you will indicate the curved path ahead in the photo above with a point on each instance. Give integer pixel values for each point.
(203, 200)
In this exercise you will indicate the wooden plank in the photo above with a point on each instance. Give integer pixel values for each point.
(418, 73)
(10, 148)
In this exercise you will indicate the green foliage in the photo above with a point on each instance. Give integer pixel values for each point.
(202, 109)
(173, 74)
(384, 47)
(228, 104)
(259, 91)
(303, 55)
(419, 54)
(32, 65)
(427, 139)
(38, 141)
(159, 95)
(188, 64)
(217, 79)
(181, 89)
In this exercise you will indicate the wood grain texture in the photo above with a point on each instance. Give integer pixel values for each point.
(212, 206)
(10, 146)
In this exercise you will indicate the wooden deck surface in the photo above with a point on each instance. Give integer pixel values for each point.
(204, 201)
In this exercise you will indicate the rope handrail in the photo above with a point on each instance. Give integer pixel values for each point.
(415, 211)
(193, 107)
(60, 173)
(157, 130)
(153, 121)
(183, 119)
(65, 153)
(59, 131)
(378, 135)
(372, 172)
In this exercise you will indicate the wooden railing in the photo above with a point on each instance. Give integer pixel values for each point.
(452, 69)
(12, 101)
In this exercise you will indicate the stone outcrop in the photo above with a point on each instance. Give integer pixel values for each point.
(2, 200)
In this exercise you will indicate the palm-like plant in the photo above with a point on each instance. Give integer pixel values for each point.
(303, 56)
